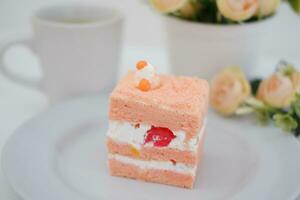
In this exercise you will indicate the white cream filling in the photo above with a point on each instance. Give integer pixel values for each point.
(126, 132)
(153, 164)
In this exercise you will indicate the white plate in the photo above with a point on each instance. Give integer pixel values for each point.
(61, 155)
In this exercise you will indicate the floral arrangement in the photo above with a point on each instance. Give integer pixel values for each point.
(221, 11)
(275, 99)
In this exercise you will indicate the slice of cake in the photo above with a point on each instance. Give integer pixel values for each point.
(156, 127)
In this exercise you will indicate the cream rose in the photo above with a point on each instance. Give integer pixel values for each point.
(229, 89)
(267, 7)
(238, 10)
(277, 90)
(183, 8)
(295, 77)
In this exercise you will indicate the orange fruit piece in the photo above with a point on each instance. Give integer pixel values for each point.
(134, 151)
(141, 64)
(173, 161)
(144, 85)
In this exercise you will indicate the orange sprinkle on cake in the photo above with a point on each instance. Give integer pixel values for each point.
(141, 64)
(144, 85)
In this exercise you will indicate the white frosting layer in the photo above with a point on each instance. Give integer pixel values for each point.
(126, 132)
(162, 165)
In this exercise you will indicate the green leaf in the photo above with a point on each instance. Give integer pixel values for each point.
(254, 85)
(296, 107)
(264, 113)
(297, 131)
(255, 103)
(298, 96)
(285, 121)
(295, 4)
(286, 68)
(263, 116)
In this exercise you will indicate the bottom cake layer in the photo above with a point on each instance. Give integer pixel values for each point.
(180, 175)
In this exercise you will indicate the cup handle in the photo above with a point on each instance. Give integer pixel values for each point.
(36, 84)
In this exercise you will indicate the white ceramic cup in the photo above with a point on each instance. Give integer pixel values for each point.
(203, 49)
(78, 46)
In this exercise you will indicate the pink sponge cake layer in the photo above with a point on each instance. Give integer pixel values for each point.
(155, 153)
(180, 103)
(118, 168)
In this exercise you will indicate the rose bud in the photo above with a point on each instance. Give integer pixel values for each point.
(229, 89)
(278, 90)
(237, 10)
(182, 8)
(267, 7)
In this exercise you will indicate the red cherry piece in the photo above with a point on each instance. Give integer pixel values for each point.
(160, 136)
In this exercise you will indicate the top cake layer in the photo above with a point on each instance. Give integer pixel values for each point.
(179, 103)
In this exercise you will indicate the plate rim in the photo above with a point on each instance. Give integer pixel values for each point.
(31, 120)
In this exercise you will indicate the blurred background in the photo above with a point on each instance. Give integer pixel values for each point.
(144, 34)
(15, 21)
